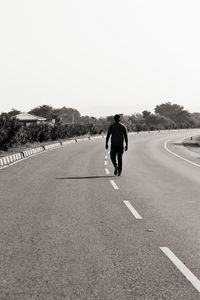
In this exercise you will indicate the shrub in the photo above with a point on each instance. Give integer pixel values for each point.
(9, 129)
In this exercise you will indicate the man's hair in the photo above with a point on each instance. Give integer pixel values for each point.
(117, 118)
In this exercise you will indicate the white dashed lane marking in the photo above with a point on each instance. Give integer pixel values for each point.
(182, 268)
(114, 185)
(132, 209)
(105, 163)
(107, 171)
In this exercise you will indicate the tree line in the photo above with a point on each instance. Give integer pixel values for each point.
(66, 122)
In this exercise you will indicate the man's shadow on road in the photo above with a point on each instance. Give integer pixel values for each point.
(86, 177)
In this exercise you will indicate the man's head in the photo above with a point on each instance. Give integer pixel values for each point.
(117, 118)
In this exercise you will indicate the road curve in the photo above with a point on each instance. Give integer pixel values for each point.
(69, 229)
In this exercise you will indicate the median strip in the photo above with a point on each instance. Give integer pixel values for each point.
(185, 159)
(182, 268)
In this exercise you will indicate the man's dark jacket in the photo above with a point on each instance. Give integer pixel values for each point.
(118, 134)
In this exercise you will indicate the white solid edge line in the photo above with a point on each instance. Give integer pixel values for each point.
(114, 185)
(187, 160)
(105, 163)
(182, 268)
(107, 171)
(132, 209)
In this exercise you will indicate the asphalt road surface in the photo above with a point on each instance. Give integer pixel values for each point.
(69, 229)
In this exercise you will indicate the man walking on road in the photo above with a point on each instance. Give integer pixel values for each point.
(118, 133)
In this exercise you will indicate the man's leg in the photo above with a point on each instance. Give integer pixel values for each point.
(113, 155)
(119, 158)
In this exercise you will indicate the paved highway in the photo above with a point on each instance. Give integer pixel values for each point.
(69, 229)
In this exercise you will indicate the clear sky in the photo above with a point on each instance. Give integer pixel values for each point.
(99, 56)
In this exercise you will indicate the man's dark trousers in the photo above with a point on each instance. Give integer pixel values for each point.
(117, 152)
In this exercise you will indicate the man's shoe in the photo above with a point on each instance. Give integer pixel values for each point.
(119, 173)
(116, 171)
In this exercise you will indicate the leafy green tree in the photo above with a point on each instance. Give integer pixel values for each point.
(44, 132)
(174, 112)
(195, 119)
(146, 114)
(67, 115)
(156, 121)
(136, 122)
(8, 129)
(164, 122)
(85, 120)
(45, 111)
(13, 112)
(109, 120)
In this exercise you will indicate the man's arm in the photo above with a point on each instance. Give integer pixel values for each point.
(126, 138)
(108, 136)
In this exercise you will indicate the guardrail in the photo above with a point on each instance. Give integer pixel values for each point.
(32, 151)
(51, 146)
(8, 160)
